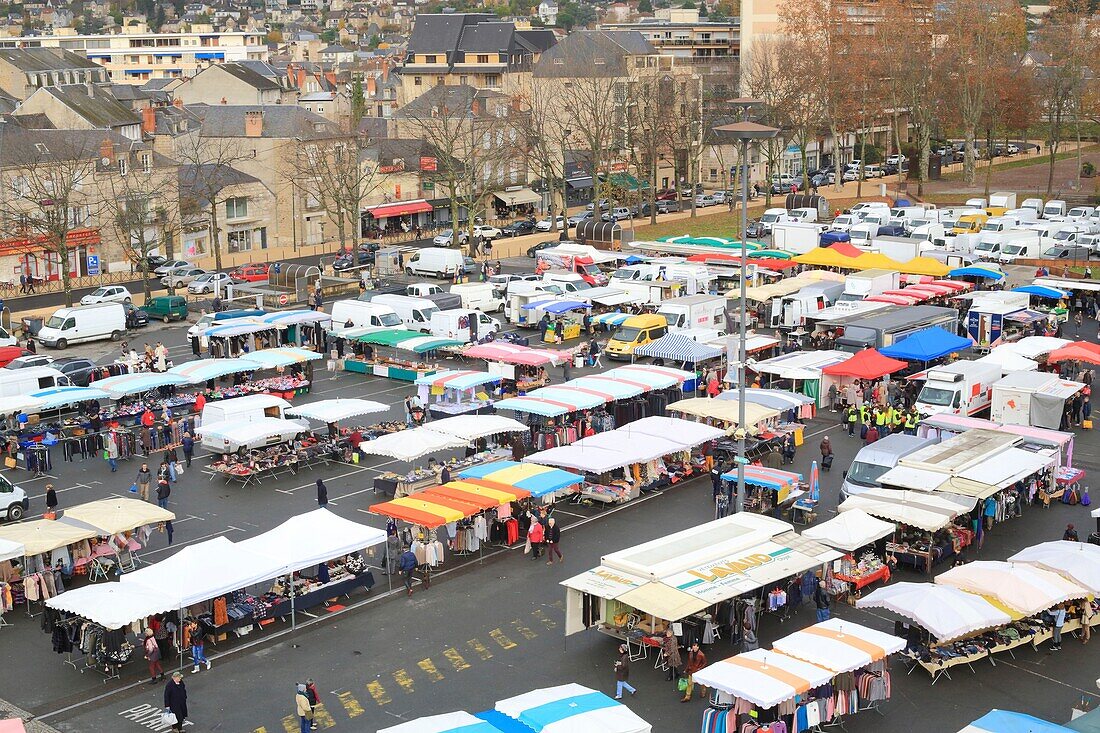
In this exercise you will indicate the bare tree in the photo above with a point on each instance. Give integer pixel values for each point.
(53, 186)
(544, 140)
(762, 80)
(650, 125)
(1064, 44)
(209, 171)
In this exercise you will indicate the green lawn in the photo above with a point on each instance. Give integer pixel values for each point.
(1021, 163)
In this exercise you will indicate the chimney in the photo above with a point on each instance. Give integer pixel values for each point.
(517, 104)
(107, 151)
(385, 71)
(372, 87)
(177, 102)
(476, 107)
(254, 123)
(301, 77)
(91, 89)
(331, 77)
(149, 121)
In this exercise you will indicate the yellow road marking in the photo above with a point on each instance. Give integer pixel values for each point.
(378, 692)
(456, 659)
(322, 717)
(524, 631)
(498, 636)
(351, 705)
(290, 724)
(261, 729)
(544, 619)
(560, 605)
(480, 649)
(429, 669)
(402, 678)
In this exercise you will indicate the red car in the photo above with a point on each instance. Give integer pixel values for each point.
(8, 353)
(250, 273)
(666, 194)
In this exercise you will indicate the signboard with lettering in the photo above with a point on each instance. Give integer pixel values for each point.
(397, 166)
(604, 582)
(93, 264)
(730, 576)
(428, 163)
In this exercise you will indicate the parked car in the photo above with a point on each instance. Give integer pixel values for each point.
(486, 232)
(784, 183)
(30, 360)
(617, 214)
(689, 191)
(152, 261)
(77, 368)
(167, 308)
(136, 317)
(250, 273)
(754, 229)
(534, 249)
(662, 207)
(166, 267)
(576, 219)
(182, 276)
(208, 283)
(603, 203)
(519, 228)
(667, 194)
(443, 239)
(720, 197)
(107, 294)
(1064, 252)
(704, 200)
(823, 178)
(545, 225)
(896, 159)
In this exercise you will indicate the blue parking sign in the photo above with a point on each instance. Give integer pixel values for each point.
(93, 264)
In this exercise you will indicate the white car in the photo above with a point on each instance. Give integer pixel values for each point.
(895, 159)
(720, 196)
(181, 276)
(443, 239)
(167, 267)
(487, 232)
(209, 282)
(545, 225)
(108, 294)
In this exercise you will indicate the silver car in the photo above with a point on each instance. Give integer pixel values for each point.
(181, 276)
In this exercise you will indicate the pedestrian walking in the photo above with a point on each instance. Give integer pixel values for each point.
(188, 445)
(22, 282)
(407, 565)
(821, 601)
(172, 459)
(536, 535)
(314, 697)
(322, 494)
(695, 662)
(169, 529)
(826, 449)
(112, 451)
(749, 640)
(164, 490)
(151, 650)
(51, 499)
(1070, 535)
(1059, 614)
(622, 674)
(553, 537)
(1078, 321)
(175, 700)
(301, 705)
(670, 649)
(196, 636)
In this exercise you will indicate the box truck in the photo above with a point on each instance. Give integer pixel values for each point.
(463, 325)
(571, 262)
(694, 311)
(883, 329)
(1032, 398)
(986, 318)
(961, 388)
(1000, 202)
(791, 311)
(862, 285)
(1018, 245)
(796, 237)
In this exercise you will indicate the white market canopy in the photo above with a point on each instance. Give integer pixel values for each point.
(947, 613)
(646, 440)
(800, 364)
(762, 677)
(572, 708)
(1024, 589)
(683, 431)
(124, 385)
(591, 459)
(724, 410)
(408, 445)
(1009, 361)
(112, 516)
(913, 508)
(1077, 562)
(849, 530)
(472, 427)
(1032, 347)
(456, 722)
(335, 410)
(283, 356)
(312, 538)
(841, 646)
(203, 370)
(263, 429)
(112, 604)
(14, 404)
(45, 535)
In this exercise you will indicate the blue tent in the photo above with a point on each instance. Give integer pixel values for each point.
(828, 238)
(1005, 721)
(1042, 291)
(926, 345)
(977, 271)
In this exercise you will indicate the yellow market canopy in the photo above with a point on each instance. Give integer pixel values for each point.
(45, 535)
(112, 516)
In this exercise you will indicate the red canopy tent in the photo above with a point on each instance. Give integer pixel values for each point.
(866, 364)
(847, 249)
(1077, 351)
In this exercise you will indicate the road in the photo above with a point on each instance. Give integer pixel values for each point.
(484, 630)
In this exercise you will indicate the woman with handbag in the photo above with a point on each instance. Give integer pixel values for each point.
(175, 700)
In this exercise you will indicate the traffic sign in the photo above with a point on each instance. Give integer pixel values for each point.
(93, 264)
(283, 300)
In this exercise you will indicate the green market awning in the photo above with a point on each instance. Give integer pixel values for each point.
(626, 182)
(406, 340)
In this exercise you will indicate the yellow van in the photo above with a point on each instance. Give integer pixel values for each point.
(970, 223)
(636, 331)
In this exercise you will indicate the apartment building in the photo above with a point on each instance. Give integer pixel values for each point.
(680, 33)
(135, 58)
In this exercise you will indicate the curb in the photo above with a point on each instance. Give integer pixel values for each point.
(8, 711)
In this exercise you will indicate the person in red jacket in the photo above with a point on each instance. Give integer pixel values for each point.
(694, 662)
(536, 534)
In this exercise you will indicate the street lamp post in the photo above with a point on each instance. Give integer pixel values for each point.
(563, 233)
(745, 132)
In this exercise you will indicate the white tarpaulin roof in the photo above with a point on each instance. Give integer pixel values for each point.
(762, 677)
(335, 410)
(849, 531)
(112, 516)
(113, 604)
(916, 509)
(948, 613)
(408, 445)
(841, 646)
(1024, 589)
(1009, 361)
(1032, 347)
(639, 448)
(685, 432)
(13, 404)
(604, 582)
(456, 722)
(1007, 467)
(592, 460)
(572, 708)
(249, 432)
(203, 571)
(10, 550)
(1078, 562)
(472, 427)
(312, 538)
(800, 364)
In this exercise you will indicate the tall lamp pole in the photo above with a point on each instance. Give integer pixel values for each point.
(745, 132)
(563, 234)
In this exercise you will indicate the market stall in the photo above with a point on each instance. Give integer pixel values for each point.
(283, 356)
(337, 410)
(566, 318)
(859, 536)
(301, 328)
(125, 385)
(1077, 562)
(266, 447)
(477, 427)
(541, 482)
(1023, 589)
(725, 413)
(456, 392)
(1004, 721)
(208, 370)
(397, 353)
(867, 364)
(767, 490)
(238, 338)
(570, 708)
(946, 613)
(680, 349)
(408, 445)
(803, 370)
(927, 345)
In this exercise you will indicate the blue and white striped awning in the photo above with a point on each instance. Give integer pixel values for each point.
(610, 319)
(677, 347)
(571, 708)
(597, 383)
(239, 329)
(457, 722)
(281, 357)
(137, 383)
(202, 370)
(655, 377)
(57, 397)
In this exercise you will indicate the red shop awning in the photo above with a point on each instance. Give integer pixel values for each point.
(398, 209)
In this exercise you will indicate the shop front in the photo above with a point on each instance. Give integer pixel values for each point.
(398, 216)
(33, 257)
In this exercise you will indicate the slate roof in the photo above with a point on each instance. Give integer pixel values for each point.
(101, 109)
(280, 121)
(34, 60)
(249, 76)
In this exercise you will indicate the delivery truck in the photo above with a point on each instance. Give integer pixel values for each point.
(1000, 202)
(463, 324)
(791, 311)
(986, 318)
(1032, 398)
(901, 249)
(862, 285)
(796, 237)
(578, 264)
(961, 388)
(883, 329)
(694, 311)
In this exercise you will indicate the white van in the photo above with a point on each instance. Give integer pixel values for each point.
(436, 262)
(364, 314)
(479, 296)
(30, 379)
(415, 313)
(1055, 209)
(876, 459)
(864, 208)
(243, 409)
(569, 282)
(84, 323)
(463, 324)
